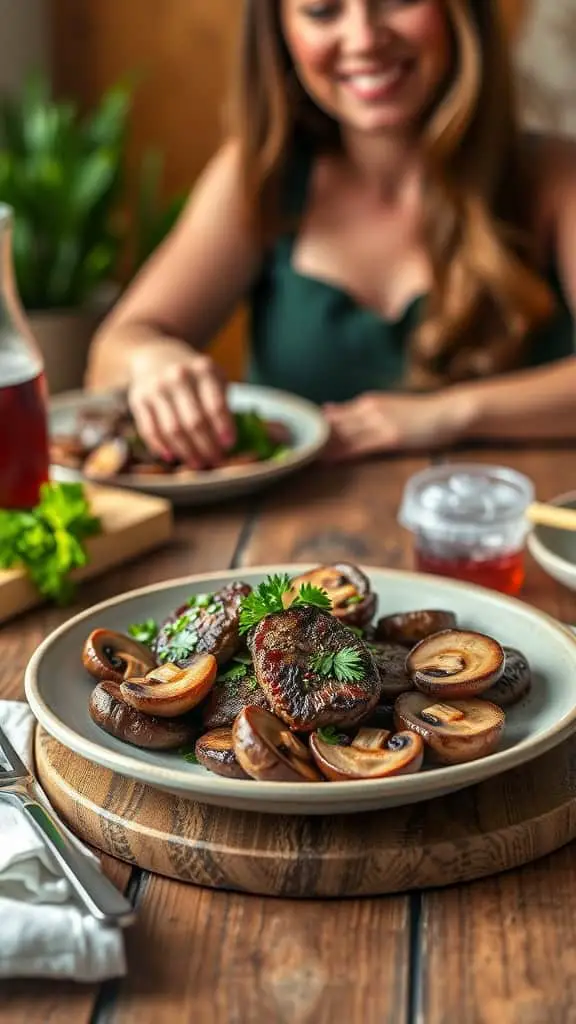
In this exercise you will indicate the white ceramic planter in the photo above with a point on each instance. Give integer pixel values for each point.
(64, 336)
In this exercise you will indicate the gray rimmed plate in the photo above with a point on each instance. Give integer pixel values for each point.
(58, 691)
(554, 549)
(307, 426)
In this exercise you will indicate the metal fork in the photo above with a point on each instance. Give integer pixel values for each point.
(97, 893)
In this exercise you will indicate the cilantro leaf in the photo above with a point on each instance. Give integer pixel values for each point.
(189, 754)
(48, 541)
(345, 665)
(145, 632)
(309, 594)
(268, 598)
(235, 672)
(329, 734)
(264, 600)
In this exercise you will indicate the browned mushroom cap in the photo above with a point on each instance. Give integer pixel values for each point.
(109, 459)
(372, 754)
(267, 750)
(176, 695)
(463, 730)
(215, 750)
(408, 628)
(391, 664)
(455, 663)
(515, 681)
(113, 715)
(110, 655)
(347, 587)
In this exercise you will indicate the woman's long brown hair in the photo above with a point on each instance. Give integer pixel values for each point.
(487, 294)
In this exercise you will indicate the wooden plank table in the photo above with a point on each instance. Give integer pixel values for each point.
(498, 951)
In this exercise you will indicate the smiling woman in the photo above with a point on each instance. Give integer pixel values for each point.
(398, 239)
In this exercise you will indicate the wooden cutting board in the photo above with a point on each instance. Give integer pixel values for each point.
(132, 523)
(504, 822)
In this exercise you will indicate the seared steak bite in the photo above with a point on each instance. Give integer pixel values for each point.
(229, 697)
(207, 624)
(313, 670)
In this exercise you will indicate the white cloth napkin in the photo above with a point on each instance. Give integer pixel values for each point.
(44, 930)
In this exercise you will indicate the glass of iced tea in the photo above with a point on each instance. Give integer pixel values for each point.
(24, 458)
(469, 523)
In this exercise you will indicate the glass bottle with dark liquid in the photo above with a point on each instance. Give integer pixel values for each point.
(24, 458)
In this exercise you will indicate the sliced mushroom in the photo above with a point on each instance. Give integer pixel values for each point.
(266, 749)
(111, 713)
(515, 681)
(408, 628)
(348, 588)
(67, 450)
(391, 664)
(215, 750)
(110, 655)
(176, 696)
(109, 459)
(463, 730)
(375, 756)
(455, 663)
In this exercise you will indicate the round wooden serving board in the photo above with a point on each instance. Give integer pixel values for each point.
(498, 825)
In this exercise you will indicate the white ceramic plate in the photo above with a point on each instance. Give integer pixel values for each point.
(304, 420)
(555, 550)
(58, 691)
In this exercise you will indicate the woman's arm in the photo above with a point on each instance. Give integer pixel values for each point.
(191, 284)
(152, 341)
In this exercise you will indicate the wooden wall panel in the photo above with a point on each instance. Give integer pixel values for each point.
(182, 51)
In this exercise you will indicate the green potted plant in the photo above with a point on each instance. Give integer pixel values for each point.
(63, 174)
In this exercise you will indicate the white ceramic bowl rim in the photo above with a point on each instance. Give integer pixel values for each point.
(130, 765)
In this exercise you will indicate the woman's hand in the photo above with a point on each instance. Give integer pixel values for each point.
(382, 422)
(178, 400)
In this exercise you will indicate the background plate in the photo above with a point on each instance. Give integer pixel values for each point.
(304, 420)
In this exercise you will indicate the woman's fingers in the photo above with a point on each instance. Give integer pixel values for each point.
(183, 413)
(211, 392)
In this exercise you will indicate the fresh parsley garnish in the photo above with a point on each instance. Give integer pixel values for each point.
(145, 632)
(189, 754)
(48, 540)
(252, 436)
(235, 672)
(344, 665)
(268, 598)
(355, 599)
(329, 734)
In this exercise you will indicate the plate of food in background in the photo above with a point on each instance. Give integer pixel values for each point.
(307, 689)
(93, 438)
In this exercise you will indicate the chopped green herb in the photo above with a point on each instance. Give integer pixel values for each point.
(355, 599)
(344, 665)
(252, 436)
(329, 734)
(233, 673)
(309, 594)
(189, 754)
(200, 600)
(267, 598)
(173, 628)
(48, 541)
(145, 632)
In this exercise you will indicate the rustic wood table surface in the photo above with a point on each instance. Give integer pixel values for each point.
(498, 951)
